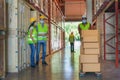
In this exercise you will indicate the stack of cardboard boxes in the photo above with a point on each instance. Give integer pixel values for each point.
(90, 52)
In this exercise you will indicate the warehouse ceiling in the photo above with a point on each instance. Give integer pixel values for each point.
(73, 9)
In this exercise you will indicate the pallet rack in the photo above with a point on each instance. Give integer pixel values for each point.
(110, 6)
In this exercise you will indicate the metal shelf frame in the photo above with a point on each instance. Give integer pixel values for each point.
(116, 26)
(111, 6)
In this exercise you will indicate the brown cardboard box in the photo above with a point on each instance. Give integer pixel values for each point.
(81, 49)
(89, 33)
(91, 67)
(91, 45)
(90, 39)
(89, 58)
(91, 51)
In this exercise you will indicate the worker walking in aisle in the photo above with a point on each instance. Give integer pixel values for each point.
(71, 40)
(42, 30)
(32, 40)
(83, 26)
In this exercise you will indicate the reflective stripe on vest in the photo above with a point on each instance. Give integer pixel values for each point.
(42, 30)
(34, 35)
(85, 27)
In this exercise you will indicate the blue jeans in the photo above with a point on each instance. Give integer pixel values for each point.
(72, 47)
(43, 43)
(32, 56)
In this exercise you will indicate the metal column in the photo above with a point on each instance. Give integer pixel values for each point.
(116, 26)
(104, 37)
(49, 24)
(107, 40)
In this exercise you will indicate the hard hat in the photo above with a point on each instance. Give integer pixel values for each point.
(42, 17)
(84, 17)
(32, 19)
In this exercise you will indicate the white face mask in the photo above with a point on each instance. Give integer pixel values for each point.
(84, 21)
(42, 21)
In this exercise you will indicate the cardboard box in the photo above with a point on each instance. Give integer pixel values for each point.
(89, 33)
(81, 49)
(91, 51)
(91, 67)
(89, 58)
(90, 39)
(91, 45)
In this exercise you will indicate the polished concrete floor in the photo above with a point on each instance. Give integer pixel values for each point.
(64, 65)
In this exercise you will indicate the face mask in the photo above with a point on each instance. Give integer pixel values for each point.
(84, 21)
(42, 21)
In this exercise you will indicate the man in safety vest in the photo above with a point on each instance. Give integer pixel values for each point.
(32, 40)
(42, 31)
(84, 25)
(71, 40)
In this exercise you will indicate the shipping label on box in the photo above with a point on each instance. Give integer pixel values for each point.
(89, 58)
(91, 67)
(91, 51)
(91, 45)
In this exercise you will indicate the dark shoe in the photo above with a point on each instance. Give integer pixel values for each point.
(44, 63)
(37, 63)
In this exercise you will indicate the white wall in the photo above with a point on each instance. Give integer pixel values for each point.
(18, 23)
(12, 36)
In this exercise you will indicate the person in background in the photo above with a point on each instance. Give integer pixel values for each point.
(84, 25)
(32, 40)
(42, 29)
(72, 40)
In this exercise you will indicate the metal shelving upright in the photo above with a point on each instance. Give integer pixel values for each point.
(2, 38)
(110, 6)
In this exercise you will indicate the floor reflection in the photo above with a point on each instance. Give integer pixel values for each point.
(63, 65)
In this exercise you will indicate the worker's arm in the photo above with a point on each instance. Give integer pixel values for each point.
(46, 34)
(74, 38)
(90, 27)
(31, 32)
(79, 30)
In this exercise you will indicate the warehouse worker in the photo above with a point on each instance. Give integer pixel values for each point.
(84, 25)
(71, 40)
(42, 30)
(32, 40)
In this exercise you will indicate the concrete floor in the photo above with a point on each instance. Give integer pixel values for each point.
(64, 65)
